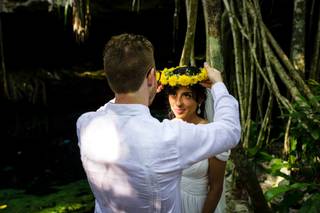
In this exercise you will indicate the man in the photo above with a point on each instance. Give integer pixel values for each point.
(132, 161)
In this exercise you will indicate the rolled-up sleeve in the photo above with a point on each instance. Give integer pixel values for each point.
(198, 142)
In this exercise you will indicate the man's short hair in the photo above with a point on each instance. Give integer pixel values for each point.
(127, 60)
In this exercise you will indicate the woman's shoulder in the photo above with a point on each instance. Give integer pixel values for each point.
(203, 121)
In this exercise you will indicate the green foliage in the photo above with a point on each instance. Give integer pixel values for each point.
(304, 146)
(312, 204)
(252, 147)
(303, 196)
(276, 166)
(290, 193)
(280, 190)
(303, 190)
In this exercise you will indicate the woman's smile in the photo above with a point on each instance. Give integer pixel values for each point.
(178, 111)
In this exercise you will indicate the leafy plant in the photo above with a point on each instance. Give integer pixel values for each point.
(303, 196)
(304, 146)
(303, 190)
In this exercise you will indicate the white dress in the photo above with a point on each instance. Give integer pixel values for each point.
(194, 181)
(194, 187)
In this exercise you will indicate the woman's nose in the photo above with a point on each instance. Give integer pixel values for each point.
(178, 101)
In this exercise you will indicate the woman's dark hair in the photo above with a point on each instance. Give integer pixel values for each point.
(198, 92)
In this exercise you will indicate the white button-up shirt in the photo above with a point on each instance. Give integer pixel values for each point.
(134, 163)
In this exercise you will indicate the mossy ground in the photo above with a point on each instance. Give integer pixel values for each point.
(73, 197)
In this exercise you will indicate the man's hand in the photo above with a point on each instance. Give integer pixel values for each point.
(159, 87)
(214, 76)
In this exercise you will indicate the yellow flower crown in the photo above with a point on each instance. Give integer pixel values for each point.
(181, 75)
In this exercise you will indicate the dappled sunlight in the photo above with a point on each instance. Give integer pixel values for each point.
(120, 186)
(101, 146)
(103, 156)
(116, 183)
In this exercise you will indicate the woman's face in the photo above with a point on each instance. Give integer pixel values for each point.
(183, 104)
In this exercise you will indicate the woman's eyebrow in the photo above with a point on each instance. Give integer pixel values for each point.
(187, 93)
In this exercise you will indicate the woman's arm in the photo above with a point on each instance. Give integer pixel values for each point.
(216, 176)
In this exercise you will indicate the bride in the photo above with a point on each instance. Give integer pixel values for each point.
(202, 184)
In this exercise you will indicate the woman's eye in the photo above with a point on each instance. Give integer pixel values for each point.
(188, 96)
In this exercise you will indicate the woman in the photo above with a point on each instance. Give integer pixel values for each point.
(202, 183)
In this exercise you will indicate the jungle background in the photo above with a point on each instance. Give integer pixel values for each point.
(51, 72)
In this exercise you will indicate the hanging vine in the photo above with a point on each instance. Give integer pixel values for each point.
(3, 65)
(257, 54)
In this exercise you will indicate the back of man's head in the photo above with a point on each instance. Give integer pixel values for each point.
(127, 60)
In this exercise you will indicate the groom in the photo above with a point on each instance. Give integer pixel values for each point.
(132, 161)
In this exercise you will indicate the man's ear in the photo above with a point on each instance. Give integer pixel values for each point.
(151, 78)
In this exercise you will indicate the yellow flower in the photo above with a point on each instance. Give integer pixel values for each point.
(184, 80)
(163, 79)
(203, 74)
(157, 76)
(193, 80)
(168, 76)
(173, 80)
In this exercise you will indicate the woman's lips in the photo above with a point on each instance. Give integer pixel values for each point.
(179, 111)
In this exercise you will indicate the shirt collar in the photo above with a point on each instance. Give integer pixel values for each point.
(128, 109)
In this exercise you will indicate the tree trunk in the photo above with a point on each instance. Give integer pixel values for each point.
(247, 176)
(315, 64)
(212, 16)
(192, 12)
(297, 53)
